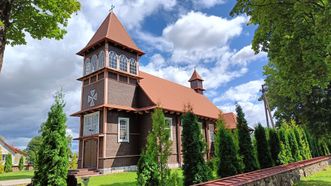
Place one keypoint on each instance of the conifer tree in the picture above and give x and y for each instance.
(285, 155)
(9, 163)
(1, 162)
(53, 159)
(73, 162)
(274, 145)
(293, 143)
(153, 165)
(263, 151)
(229, 161)
(245, 142)
(21, 164)
(195, 169)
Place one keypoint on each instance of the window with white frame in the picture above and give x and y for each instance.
(87, 66)
(133, 66)
(112, 59)
(101, 59)
(169, 123)
(123, 129)
(91, 124)
(94, 62)
(211, 133)
(123, 63)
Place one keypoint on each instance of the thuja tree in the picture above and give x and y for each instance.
(263, 151)
(21, 164)
(294, 146)
(152, 166)
(1, 163)
(53, 159)
(9, 163)
(274, 145)
(285, 154)
(245, 142)
(229, 161)
(302, 143)
(195, 169)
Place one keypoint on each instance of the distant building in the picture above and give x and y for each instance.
(16, 154)
(118, 98)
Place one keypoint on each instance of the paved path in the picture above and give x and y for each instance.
(15, 182)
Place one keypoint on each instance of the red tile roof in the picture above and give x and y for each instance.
(112, 30)
(173, 96)
(13, 149)
(230, 120)
(195, 76)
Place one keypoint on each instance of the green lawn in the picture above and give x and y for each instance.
(119, 179)
(16, 175)
(322, 178)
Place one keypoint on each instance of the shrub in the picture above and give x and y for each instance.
(229, 161)
(263, 151)
(73, 162)
(9, 163)
(245, 142)
(285, 154)
(21, 164)
(274, 145)
(195, 169)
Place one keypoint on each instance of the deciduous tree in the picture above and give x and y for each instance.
(297, 36)
(41, 19)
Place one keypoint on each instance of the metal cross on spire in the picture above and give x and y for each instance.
(111, 8)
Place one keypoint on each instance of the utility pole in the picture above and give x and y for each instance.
(266, 106)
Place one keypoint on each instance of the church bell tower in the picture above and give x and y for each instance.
(196, 82)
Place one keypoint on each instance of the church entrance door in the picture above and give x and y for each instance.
(90, 154)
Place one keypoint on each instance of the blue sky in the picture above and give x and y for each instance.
(177, 36)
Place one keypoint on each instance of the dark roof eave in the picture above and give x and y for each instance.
(81, 52)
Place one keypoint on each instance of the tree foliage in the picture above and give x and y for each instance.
(52, 159)
(245, 142)
(2, 169)
(297, 37)
(153, 163)
(195, 169)
(229, 160)
(74, 161)
(46, 19)
(21, 163)
(274, 144)
(32, 149)
(9, 163)
(263, 150)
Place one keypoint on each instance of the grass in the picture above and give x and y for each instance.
(322, 178)
(16, 175)
(120, 179)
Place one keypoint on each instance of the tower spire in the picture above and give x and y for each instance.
(196, 82)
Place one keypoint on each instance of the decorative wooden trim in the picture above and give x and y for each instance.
(124, 156)
(207, 139)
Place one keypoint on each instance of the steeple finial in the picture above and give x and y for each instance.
(111, 8)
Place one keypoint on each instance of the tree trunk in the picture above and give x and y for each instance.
(5, 8)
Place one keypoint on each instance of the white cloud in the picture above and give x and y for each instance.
(207, 3)
(131, 12)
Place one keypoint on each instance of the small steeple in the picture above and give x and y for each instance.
(196, 82)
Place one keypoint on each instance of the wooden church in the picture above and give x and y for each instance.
(118, 98)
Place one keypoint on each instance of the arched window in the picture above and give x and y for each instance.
(133, 66)
(94, 63)
(87, 66)
(101, 59)
(112, 60)
(123, 63)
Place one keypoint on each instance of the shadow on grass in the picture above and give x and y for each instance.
(14, 177)
(313, 183)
